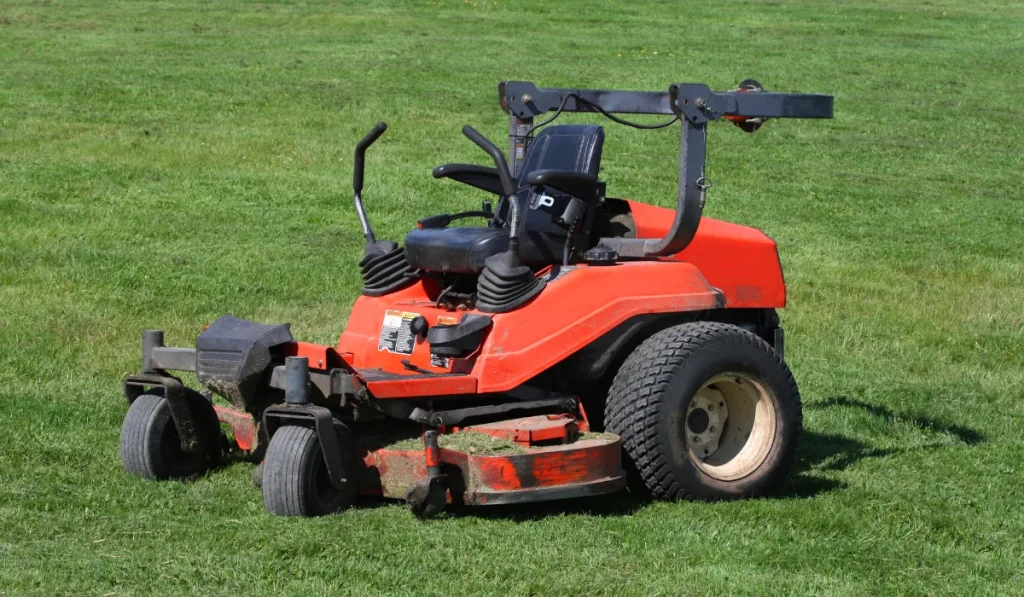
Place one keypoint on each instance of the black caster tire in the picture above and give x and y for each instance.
(428, 497)
(151, 448)
(706, 411)
(257, 475)
(295, 481)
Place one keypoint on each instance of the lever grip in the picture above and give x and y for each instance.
(361, 147)
(507, 185)
(475, 136)
(374, 134)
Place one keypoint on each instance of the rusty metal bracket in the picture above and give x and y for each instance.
(335, 382)
(177, 402)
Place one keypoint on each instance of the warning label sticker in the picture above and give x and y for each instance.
(395, 333)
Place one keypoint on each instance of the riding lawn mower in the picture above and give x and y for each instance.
(569, 344)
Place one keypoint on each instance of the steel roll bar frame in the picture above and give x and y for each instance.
(693, 103)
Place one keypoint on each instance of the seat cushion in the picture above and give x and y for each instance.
(464, 250)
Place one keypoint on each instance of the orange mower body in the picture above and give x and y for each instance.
(571, 344)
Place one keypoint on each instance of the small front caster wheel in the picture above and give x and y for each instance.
(428, 497)
(151, 447)
(295, 478)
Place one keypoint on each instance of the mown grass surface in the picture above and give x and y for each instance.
(162, 163)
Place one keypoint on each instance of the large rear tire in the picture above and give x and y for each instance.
(295, 479)
(706, 411)
(151, 447)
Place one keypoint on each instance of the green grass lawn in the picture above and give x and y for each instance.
(163, 163)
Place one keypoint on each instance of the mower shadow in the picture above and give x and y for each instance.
(614, 505)
(819, 453)
(831, 452)
(964, 434)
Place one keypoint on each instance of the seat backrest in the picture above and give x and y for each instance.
(574, 147)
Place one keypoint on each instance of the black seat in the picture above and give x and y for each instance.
(463, 250)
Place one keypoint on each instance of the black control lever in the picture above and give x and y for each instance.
(357, 178)
(361, 147)
(507, 185)
(505, 282)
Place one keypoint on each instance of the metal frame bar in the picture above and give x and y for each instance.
(524, 100)
(335, 382)
(695, 105)
(456, 416)
(156, 358)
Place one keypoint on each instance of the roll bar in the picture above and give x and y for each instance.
(695, 105)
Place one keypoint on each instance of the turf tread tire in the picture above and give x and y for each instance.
(637, 407)
(148, 419)
(290, 470)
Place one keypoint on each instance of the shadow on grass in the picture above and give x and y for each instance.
(834, 452)
(616, 504)
(963, 434)
(819, 452)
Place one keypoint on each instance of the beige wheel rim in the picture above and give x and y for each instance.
(730, 426)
